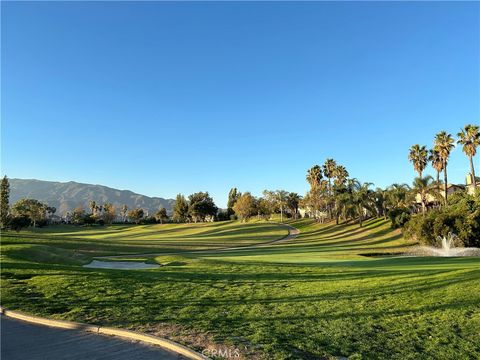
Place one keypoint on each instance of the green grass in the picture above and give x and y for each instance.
(167, 238)
(45, 254)
(320, 243)
(314, 297)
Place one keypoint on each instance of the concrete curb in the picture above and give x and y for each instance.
(126, 334)
(164, 343)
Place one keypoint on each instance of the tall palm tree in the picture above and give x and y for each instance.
(362, 198)
(469, 137)
(380, 200)
(437, 164)
(341, 175)
(444, 144)
(329, 171)
(424, 187)
(354, 198)
(345, 201)
(418, 156)
(314, 176)
(345, 206)
(293, 200)
(281, 197)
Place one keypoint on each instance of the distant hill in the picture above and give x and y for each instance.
(66, 196)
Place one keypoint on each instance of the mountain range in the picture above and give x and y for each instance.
(65, 196)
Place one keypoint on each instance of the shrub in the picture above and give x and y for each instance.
(148, 220)
(42, 223)
(399, 217)
(461, 217)
(420, 228)
(88, 220)
(19, 222)
(223, 215)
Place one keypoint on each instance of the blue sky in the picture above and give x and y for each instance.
(164, 98)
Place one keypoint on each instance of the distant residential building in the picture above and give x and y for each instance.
(469, 182)
(307, 212)
(451, 189)
(54, 219)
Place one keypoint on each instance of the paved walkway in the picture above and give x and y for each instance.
(24, 341)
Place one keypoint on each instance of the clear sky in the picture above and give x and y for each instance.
(164, 98)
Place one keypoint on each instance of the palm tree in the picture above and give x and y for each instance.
(469, 137)
(397, 196)
(418, 156)
(345, 199)
(424, 187)
(380, 200)
(293, 199)
(314, 176)
(341, 175)
(281, 197)
(344, 206)
(437, 164)
(329, 171)
(444, 144)
(362, 198)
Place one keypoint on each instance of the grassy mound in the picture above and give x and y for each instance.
(45, 254)
(143, 239)
(321, 243)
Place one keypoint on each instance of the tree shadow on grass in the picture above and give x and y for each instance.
(65, 304)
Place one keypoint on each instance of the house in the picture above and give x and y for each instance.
(54, 219)
(469, 182)
(308, 212)
(451, 189)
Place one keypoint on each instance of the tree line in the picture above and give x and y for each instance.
(443, 212)
(244, 206)
(333, 195)
(24, 212)
(438, 157)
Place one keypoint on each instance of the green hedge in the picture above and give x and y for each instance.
(461, 217)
